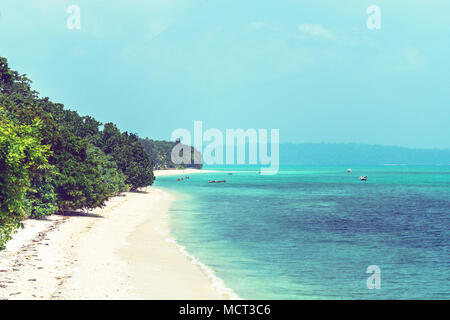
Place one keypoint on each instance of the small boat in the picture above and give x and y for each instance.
(180, 179)
(217, 181)
(363, 178)
(230, 174)
(349, 170)
(187, 177)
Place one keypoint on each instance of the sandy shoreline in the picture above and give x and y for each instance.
(176, 172)
(123, 251)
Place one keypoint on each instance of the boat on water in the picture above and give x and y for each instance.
(363, 178)
(349, 170)
(217, 181)
(180, 179)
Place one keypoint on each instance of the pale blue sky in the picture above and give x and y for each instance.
(309, 68)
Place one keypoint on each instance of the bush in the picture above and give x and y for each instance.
(21, 156)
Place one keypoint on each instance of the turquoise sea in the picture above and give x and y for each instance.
(311, 232)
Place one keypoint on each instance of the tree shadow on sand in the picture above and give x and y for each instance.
(139, 191)
(79, 214)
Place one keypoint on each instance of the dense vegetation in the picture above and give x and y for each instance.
(160, 154)
(54, 160)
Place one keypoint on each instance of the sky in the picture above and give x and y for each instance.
(310, 68)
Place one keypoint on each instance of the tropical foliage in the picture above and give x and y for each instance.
(160, 154)
(54, 160)
(22, 157)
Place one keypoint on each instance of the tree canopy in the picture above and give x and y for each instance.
(54, 160)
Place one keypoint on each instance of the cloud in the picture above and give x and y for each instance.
(314, 30)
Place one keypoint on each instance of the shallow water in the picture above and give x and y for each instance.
(311, 233)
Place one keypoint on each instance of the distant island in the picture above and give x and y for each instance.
(349, 154)
(359, 154)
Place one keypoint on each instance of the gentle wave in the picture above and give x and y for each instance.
(217, 283)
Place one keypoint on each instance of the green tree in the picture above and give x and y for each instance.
(129, 155)
(112, 177)
(79, 183)
(160, 153)
(52, 159)
(77, 180)
(21, 156)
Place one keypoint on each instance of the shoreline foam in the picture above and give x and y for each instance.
(158, 269)
(216, 282)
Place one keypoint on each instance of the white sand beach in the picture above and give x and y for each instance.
(176, 172)
(122, 251)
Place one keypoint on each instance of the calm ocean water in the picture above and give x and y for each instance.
(311, 233)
